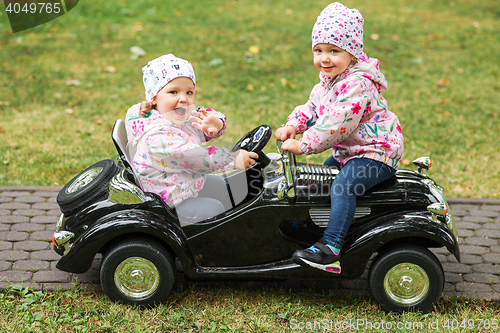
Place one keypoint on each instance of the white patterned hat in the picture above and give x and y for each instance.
(340, 26)
(160, 71)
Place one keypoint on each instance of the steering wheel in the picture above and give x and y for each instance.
(255, 141)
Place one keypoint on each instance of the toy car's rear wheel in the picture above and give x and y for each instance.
(89, 186)
(137, 272)
(406, 278)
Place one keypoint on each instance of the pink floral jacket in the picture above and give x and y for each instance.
(349, 115)
(170, 160)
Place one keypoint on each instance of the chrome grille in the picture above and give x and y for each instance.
(308, 174)
(316, 169)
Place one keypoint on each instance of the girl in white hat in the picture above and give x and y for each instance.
(168, 134)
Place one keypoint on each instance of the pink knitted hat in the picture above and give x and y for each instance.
(340, 26)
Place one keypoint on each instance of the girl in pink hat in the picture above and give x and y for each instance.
(347, 114)
(170, 160)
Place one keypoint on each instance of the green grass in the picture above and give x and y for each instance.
(65, 82)
(234, 307)
(59, 98)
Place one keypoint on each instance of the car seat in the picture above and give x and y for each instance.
(126, 152)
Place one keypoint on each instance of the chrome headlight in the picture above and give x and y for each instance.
(441, 207)
(423, 163)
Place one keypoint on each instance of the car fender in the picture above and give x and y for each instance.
(417, 227)
(134, 223)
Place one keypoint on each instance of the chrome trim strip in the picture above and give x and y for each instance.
(286, 188)
(321, 216)
(61, 223)
(450, 223)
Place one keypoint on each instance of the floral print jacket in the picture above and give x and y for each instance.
(170, 160)
(349, 115)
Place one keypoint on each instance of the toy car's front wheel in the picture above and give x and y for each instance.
(137, 272)
(406, 278)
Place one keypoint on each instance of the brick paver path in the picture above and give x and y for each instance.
(28, 216)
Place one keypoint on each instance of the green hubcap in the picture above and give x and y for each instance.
(84, 179)
(406, 283)
(137, 277)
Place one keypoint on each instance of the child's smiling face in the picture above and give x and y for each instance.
(331, 60)
(175, 100)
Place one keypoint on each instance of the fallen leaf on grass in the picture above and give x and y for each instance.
(215, 62)
(250, 87)
(137, 52)
(138, 26)
(418, 60)
(458, 189)
(254, 49)
(285, 82)
(73, 82)
(442, 82)
(110, 69)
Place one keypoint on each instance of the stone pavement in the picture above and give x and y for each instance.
(28, 216)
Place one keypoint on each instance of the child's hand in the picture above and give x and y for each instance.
(245, 159)
(293, 146)
(207, 122)
(287, 132)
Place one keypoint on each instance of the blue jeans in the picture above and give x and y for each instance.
(356, 177)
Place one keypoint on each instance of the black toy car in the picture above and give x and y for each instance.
(284, 206)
